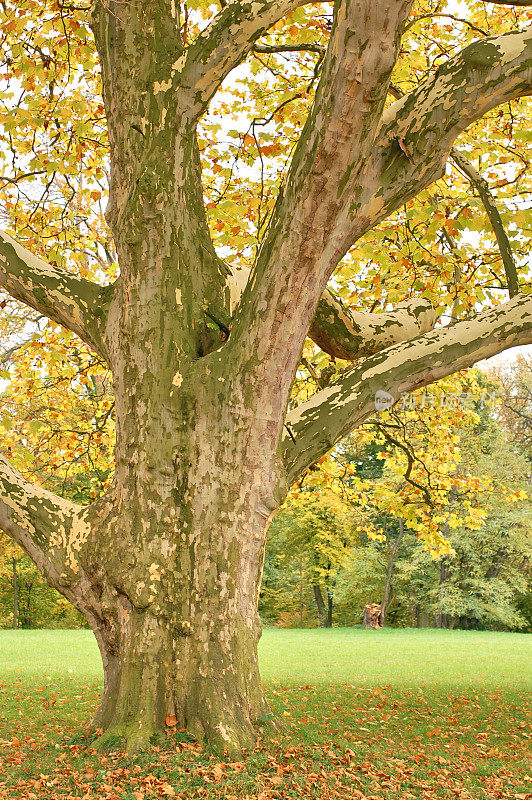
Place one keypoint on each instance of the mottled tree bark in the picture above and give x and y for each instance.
(166, 566)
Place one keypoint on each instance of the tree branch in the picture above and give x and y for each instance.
(49, 529)
(225, 43)
(417, 132)
(342, 332)
(345, 333)
(488, 201)
(8, 354)
(289, 48)
(77, 304)
(298, 253)
(316, 426)
(522, 3)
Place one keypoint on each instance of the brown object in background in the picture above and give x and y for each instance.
(372, 615)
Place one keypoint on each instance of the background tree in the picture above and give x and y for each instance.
(514, 383)
(165, 564)
(447, 466)
(482, 579)
(26, 601)
(480, 582)
(311, 538)
(10, 556)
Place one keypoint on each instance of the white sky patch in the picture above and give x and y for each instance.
(507, 357)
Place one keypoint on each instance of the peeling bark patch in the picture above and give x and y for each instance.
(75, 303)
(42, 522)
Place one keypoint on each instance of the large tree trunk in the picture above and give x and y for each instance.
(182, 531)
(200, 672)
(181, 537)
(176, 611)
(171, 565)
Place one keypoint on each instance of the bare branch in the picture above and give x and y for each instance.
(75, 303)
(490, 205)
(8, 354)
(316, 426)
(481, 185)
(466, 22)
(521, 3)
(288, 48)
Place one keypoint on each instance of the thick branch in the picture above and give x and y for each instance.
(49, 529)
(345, 333)
(75, 303)
(338, 135)
(488, 201)
(417, 132)
(315, 426)
(226, 42)
(298, 253)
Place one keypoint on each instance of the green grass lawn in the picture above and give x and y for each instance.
(387, 714)
(402, 658)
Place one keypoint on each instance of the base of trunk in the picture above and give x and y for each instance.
(229, 732)
(164, 677)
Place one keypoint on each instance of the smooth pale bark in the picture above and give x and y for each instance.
(344, 333)
(299, 250)
(50, 529)
(166, 566)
